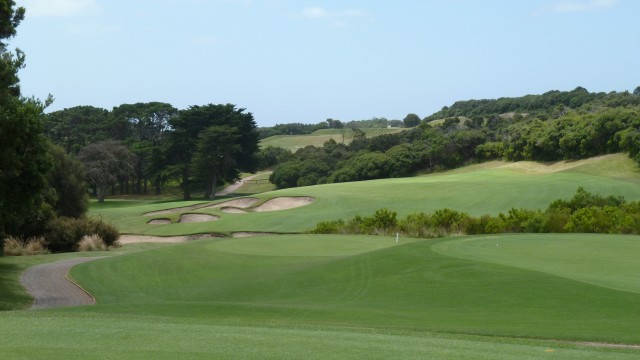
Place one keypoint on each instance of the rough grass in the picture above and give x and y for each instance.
(32, 246)
(319, 137)
(92, 243)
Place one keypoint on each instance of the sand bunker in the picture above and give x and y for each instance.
(132, 239)
(192, 218)
(284, 203)
(242, 234)
(232, 210)
(236, 203)
(159, 221)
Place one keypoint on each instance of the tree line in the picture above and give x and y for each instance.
(601, 124)
(48, 161)
(135, 147)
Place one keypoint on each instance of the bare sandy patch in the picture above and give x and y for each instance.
(193, 218)
(237, 203)
(132, 239)
(159, 221)
(284, 203)
(232, 210)
(242, 234)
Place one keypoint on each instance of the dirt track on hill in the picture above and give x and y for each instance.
(50, 287)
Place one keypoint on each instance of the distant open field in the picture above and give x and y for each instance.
(319, 137)
(481, 189)
(329, 297)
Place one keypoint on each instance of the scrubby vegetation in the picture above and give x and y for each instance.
(584, 213)
(65, 234)
(550, 127)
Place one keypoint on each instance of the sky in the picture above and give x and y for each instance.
(289, 61)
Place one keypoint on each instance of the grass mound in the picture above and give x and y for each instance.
(370, 282)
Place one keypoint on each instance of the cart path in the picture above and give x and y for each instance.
(237, 185)
(50, 287)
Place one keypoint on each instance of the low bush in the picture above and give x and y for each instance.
(64, 234)
(91, 243)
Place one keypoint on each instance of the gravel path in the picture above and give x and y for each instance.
(235, 186)
(50, 287)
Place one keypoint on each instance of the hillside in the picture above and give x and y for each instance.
(480, 189)
(319, 137)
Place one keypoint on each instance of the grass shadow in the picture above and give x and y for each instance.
(12, 295)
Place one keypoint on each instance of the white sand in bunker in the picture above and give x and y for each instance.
(159, 221)
(236, 203)
(193, 218)
(232, 210)
(242, 234)
(132, 239)
(284, 203)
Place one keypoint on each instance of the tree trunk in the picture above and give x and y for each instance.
(157, 185)
(145, 186)
(213, 186)
(186, 195)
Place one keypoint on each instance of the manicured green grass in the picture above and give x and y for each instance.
(398, 287)
(478, 192)
(38, 335)
(326, 296)
(318, 138)
(607, 260)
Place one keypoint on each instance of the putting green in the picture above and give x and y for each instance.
(304, 245)
(605, 260)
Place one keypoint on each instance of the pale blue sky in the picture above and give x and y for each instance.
(306, 61)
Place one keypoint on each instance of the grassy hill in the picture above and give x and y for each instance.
(319, 137)
(480, 189)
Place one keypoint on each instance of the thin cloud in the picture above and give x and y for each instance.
(335, 19)
(59, 8)
(583, 6)
(315, 12)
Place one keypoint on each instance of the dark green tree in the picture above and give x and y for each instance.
(105, 162)
(148, 125)
(79, 126)
(214, 159)
(24, 161)
(411, 120)
(187, 126)
(68, 181)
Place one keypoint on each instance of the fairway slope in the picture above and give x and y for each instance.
(360, 282)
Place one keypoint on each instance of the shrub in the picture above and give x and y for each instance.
(91, 243)
(13, 247)
(329, 227)
(64, 234)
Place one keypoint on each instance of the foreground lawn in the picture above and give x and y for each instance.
(319, 296)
